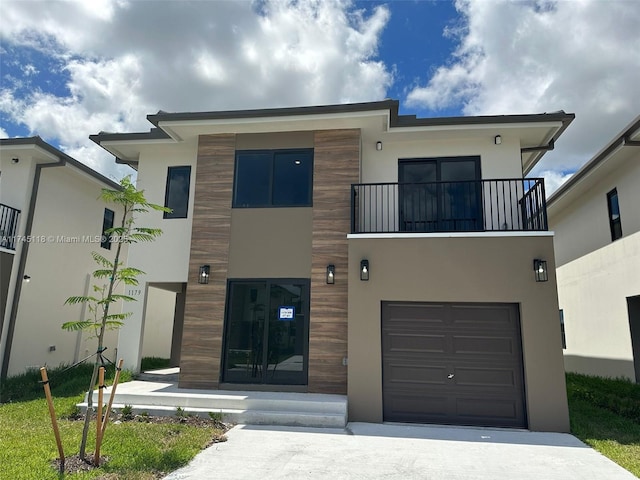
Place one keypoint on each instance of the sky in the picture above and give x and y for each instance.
(70, 69)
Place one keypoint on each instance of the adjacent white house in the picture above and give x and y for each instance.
(405, 262)
(51, 219)
(596, 219)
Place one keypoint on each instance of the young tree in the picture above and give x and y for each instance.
(132, 202)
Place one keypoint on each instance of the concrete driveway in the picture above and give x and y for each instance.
(369, 451)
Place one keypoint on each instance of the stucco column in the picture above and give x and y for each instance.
(132, 333)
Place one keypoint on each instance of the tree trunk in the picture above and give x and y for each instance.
(96, 365)
(87, 415)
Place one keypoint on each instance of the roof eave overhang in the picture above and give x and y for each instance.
(628, 138)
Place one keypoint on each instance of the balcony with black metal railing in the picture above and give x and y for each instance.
(9, 221)
(466, 206)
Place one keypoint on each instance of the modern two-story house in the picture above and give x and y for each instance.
(51, 219)
(405, 262)
(596, 219)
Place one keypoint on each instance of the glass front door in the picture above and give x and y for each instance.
(266, 332)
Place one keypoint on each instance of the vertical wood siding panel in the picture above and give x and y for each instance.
(204, 306)
(336, 167)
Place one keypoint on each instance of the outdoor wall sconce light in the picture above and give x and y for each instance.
(26, 278)
(540, 269)
(378, 145)
(497, 139)
(364, 270)
(15, 160)
(203, 274)
(331, 274)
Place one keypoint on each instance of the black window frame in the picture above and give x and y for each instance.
(562, 330)
(107, 223)
(442, 222)
(167, 192)
(270, 178)
(615, 224)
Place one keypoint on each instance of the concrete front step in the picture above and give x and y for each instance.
(253, 408)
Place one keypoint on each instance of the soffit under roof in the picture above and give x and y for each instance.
(377, 120)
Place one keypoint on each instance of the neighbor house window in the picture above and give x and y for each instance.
(107, 223)
(273, 178)
(614, 214)
(564, 338)
(176, 196)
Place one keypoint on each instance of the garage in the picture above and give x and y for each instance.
(452, 363)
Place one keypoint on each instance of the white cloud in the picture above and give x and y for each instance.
(553, 179)
(580, 56)
(127, 59)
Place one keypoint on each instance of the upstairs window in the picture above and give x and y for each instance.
(107, 223)
(564, 337)
(176, 195)
(614, 215)
(273, 178)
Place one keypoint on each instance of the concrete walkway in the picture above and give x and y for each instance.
(371, 451)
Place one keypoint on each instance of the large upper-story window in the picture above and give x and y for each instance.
(614, 214)
(273, 178)
(176, 195)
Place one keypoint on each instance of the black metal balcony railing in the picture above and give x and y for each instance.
(471, 206)
(9, 219)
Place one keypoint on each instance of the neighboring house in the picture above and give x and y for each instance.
(596, 219)
(348, 249)
(51, 219)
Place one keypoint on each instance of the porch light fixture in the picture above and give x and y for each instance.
(203, 274)
(378, 145)
(364, 270)
(15, 160)
(540, 269)
(497, 139)
(26, 278)
(331, 274)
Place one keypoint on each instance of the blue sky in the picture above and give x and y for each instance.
(72, 68)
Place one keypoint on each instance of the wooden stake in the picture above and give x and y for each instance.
(96, 457)
(52, 413)
(111, 398)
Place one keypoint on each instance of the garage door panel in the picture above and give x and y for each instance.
(492, 409)
(411, 343)
(485, 345)
(485, 377)
(417, 374)
(404, 407)
(452, 363)
(481, 312)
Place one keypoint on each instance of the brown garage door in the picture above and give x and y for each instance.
(452, 363)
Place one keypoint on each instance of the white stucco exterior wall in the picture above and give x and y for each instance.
(496, 161)
(583, 225)
(167, 258)
(592, 292)
(66, 229)
(596, 275)
(161, 306)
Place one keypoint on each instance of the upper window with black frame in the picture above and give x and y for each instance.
(273, 178)
(176, 196)
(107, 223)
(614, 215)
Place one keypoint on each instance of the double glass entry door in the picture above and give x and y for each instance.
(440, 194)
(267, 332)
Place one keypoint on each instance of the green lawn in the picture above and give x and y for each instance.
(136, 449)
(605, 414)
